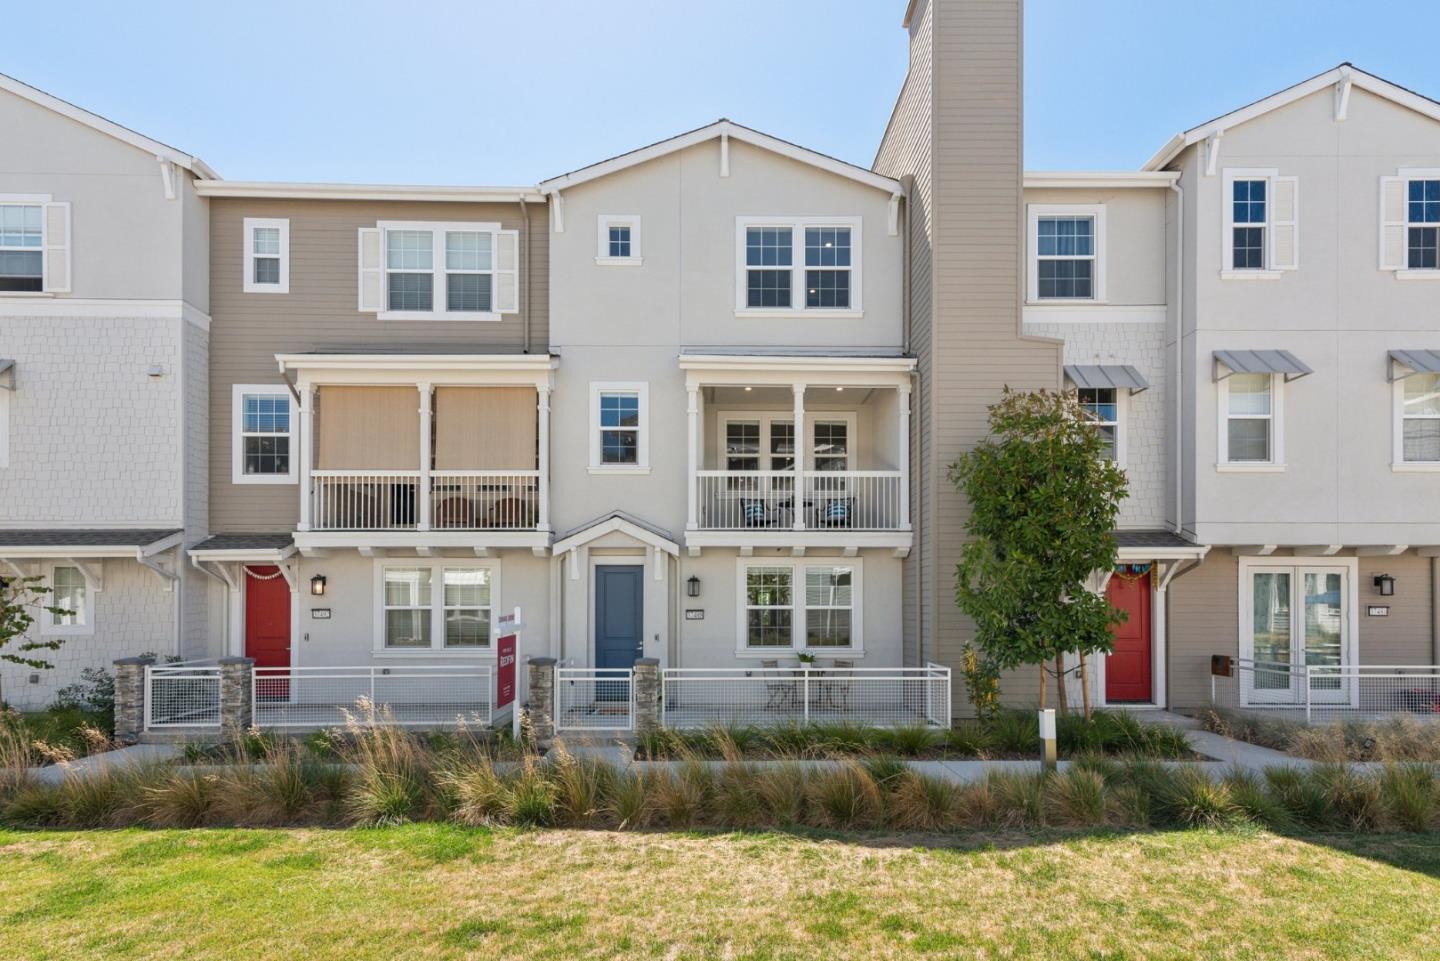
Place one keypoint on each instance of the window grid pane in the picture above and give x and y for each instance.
(407, 607)
(467, 607)
(769, 616)
(1248, 248)
(829, 603)
(1420, 409)
(619, 241)
(68, 592)
(265, 429)
(411, 292)
(620, 428)
(468, 292)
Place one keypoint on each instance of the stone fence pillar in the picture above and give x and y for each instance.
(540, 702)
(130, 698)
(237, 693)
(647, 695)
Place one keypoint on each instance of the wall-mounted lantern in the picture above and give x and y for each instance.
(317, 585)
(1385, 585)
(692, 586)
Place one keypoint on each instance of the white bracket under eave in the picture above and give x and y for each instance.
(1381, 550)
(291, 573)
(161, 570)
(724, 154)
(572, 563)
(1253, 550)
(557, 212)
(1342, 94)
(95, 571)
(657, 557)
(1212, 152)
(369, 550)
(167, 177)
(894, 215)
(694, 549)
(13, 568)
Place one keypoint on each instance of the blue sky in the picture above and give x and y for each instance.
(513, 91)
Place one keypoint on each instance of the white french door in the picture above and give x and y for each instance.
(1293, 617)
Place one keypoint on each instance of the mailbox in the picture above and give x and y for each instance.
(1222, 665)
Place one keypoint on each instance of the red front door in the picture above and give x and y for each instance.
(267, 617)
(1128, 669)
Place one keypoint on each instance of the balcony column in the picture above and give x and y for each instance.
(800, 445)
(307, 447)
(542, 405)
(692, 455)
(902, 456)
(427, 416)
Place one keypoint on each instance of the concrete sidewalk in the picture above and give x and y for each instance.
(136, 755)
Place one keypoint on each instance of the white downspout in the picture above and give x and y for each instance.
(1179, 355)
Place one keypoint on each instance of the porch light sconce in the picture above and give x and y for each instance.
(692, 586)
(317, 585)
(1385, 585)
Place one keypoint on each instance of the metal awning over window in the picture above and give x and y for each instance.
(7, 374)
(1403, 363)
(1229, 362)
(1122, 376)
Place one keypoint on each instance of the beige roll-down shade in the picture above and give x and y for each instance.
(368, 428)
(485, 428)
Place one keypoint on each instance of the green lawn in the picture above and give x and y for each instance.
(437, 891)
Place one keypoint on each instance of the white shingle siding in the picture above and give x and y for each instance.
(92, 436)
(134, 614)
(1141, 345)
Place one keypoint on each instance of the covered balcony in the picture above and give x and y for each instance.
(436, 446)
(840, 480)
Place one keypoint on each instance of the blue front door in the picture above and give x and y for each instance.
(619, 614)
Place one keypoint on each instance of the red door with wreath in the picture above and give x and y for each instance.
(1128, 671)
(267, 616)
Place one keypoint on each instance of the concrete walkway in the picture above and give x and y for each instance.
(134, 756)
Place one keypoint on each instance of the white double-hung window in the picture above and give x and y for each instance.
(1410, 223)
(443, 606)
(264, 435)
(439, 271)
(73, 602)
(619, 428)
(34, 244)
(1067, 253)
(1417, 422)
(794, 607)
(1260, 236)
(1103, 406)
(1249, 419)
(267, 256)
(807, 266)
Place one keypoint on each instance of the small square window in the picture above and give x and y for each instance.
(619, 241)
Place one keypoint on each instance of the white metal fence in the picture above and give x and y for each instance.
(766, 697)
(594, 699)
(182, 694)
(1321, 693)
(847, 500)
(410, 695)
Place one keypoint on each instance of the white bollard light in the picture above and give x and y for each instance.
(1048, 753)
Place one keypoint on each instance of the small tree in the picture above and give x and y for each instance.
(20, 598)
(1043, 499)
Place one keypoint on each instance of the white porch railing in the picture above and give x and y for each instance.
(594, 699)
(411, 695)
(182, 695)
(767, 697)
(1321, 693)
(391, 500)
(830, 500)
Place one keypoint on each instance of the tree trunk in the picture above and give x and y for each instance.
(1044, 682)
(1062, 696)
(1085, 684)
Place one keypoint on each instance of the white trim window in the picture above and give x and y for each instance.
(436, 607)
(267, 256)
(22, 248)
(1422, 224)
(1260, 235)
(619, 428)
(786, 266)
(1103, 406)
(266, 436)
(1417, 421)
(438, 271)
(1067, 263)
(617, 240)
(800, 607)
(70, 591)
(1250, 435)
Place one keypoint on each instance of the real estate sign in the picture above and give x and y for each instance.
(505, 663)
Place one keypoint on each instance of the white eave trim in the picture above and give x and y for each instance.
(795, 362)
(109, 127)
(620, 524)
(417, 362)
(1339, 74)
(721, 128)
(1133, 554)
(264, 555)
(312, 191)
(1099, 179)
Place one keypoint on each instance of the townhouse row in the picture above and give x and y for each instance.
(697, 402)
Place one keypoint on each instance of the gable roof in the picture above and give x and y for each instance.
(109, 127)
(716, 130)
(1345, 73)
(616, 520)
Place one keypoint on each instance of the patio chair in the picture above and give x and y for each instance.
(836, 512)
(837, 687)
(455, 513)
(758, 512)
(779, 689)
(511, 513)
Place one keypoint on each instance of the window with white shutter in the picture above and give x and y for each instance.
(1410, 223)
(439, 271)
(34, 244)
(1260, 237)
